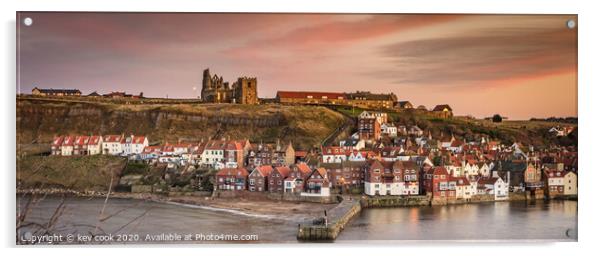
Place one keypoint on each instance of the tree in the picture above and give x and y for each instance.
(497, 118)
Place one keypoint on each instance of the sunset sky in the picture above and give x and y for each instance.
(520, 66)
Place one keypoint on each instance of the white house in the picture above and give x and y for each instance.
(471, 169)
(456, 146)
(494, 186)
(570, 183)
(95, 145)
(379, 116)
(455, 169)
(134, 144)
(111, 145)
(213, 154)
(485, 169)
(501, 189)
(333, 155)
(357, 156)
(388, 129)
(67, 146)
(463, 188)
(352, 144)
(180, 149)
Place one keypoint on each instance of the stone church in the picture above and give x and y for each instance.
(215, 90)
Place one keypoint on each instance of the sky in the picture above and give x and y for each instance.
(519, 66)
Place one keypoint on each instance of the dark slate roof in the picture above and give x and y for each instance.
(441, 107)
(351, 142)
(404, 102)
(514, 166)
(371, 96)
(64, 91)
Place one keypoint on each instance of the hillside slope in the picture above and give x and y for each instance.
(526, 132)
(39, 120)
(76, 173)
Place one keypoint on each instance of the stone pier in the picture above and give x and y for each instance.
(330, 227)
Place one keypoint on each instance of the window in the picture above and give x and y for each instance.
(252, 182)
(443, 186)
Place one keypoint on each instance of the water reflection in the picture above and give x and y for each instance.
(489, 221)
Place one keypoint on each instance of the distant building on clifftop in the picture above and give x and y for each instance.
(361, 99)
(55, 92)
(215, 90)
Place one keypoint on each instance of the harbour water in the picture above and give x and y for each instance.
(523, 221)
(517, 220)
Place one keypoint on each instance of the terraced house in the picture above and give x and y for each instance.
(258, 179)
(232, 179)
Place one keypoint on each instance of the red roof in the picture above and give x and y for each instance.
(233, 145)
(322, 172)
(241, 172)
(81, 140)
(68, 141)
(439, 170)
(265, 170)
(168, 148)
(283, 170)
(151, 149)
(112, 138)
(303, 168)
(460, 181)
(138, 139)
(304, 95)
(182, 145)
(333, 150)
(58, 141)
(300, 153)
(484, 181)
(94, 140)
(216, 144)
(457, 143)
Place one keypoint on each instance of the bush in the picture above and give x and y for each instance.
(497, 118)
(133, 168)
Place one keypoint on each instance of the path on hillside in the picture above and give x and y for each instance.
(348, 124)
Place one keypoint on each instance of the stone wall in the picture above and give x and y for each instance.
(275, 196)
(394, 201)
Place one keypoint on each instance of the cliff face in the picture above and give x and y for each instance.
(38, 121)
